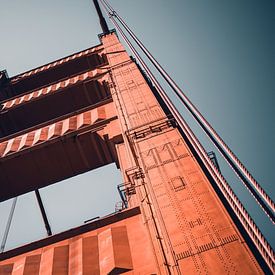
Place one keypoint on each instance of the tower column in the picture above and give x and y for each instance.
(190, 229)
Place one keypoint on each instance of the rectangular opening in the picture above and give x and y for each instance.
(68, 204)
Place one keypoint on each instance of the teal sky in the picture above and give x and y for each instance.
(220, 52)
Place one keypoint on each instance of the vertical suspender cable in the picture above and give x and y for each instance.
(7, 230)
(43, 212)
(245, 219)
(230, 157)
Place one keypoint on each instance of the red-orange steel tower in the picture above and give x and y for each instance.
(93, 108)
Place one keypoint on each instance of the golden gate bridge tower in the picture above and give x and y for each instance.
(178, 215)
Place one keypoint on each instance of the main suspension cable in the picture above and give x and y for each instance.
(245, 219)
(261, 197)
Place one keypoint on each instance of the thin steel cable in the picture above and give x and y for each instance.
(43, 212)
(230, 157)
(248, 223)
(8, 225)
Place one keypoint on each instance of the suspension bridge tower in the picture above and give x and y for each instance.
(96, 107)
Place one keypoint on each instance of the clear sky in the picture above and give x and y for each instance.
(220, 52)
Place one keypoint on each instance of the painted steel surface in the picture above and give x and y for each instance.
(51, 88)
(183, 227)
(56, 63)
(54, 130)
(51, 73)
(190, 228)
(117, 245)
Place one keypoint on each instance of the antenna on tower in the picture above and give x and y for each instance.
(102, 20)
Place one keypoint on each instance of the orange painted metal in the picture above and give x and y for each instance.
(59, 86)
(117, 244)
(57, 151)
(57, 63)
(55, 71)
(183, 226)
(190, 228)
(55, 130)
(68, 97)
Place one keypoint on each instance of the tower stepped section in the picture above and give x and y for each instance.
(86, 111)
